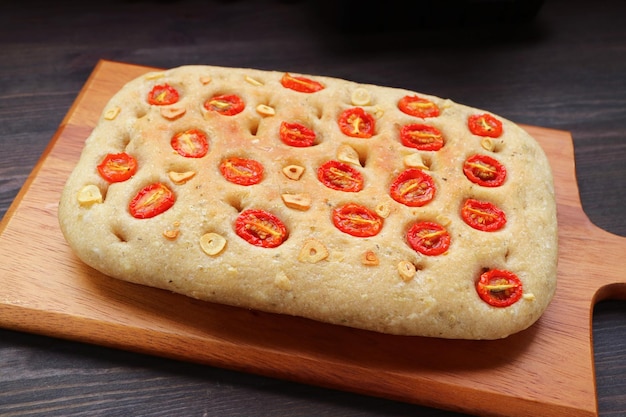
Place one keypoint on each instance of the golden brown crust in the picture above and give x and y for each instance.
(377, 283)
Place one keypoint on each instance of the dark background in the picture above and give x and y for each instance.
(557, 64)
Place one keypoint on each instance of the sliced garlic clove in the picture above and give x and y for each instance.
(112, 113)
(406, 270)
(212, 243)
(180, 178)
(369, 258)
(313, 251)
(293, 172)
(253, 81)
(297, 201)
(89, 195)
(361, 97)
(265, 110)
(172, 113)
(347, 154)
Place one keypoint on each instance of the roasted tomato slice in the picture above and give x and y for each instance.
(192, 143)
(295, 134)
(300, 84)
(151, 201)
(260, 228)
(413, 188)
(421, 137)
(242, 171)
(357, 123)
(340, 176)
(162, 95)
(226, 104)
(484, 170)
(483, 215)
(428, 238)
(418, 107)
(357, 220)
(117, 167)
(499, 288)
(485, 125)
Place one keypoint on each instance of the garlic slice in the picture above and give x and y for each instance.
(313, 251)
(265, 110)
(179, 178)
(361, 97)
(172, 113)
(297, 201)
(369, 258)
(89, 195)
(112, 113)
(212, 243)
(253, 81)
(347, 154)
(406, 270)
(293, 172)
(414, 160)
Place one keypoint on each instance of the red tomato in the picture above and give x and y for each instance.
(260, 228)
(482, 215)
(226, 104)
(485, 125)
(162, 95)
(413, 188)
(151, 201)
(300, 84)
(421, 137)
(357, 220)
(428, 238)
(484, 170)
(418, 107)
(340, 176)
(295, 134)
(117, 167)
(357, 123)
(192, 143)
(242, 171)
(499, 288)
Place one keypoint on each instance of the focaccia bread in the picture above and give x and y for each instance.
(359, 205)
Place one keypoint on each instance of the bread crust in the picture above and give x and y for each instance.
(343, 287)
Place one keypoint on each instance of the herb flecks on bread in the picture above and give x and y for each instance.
(359, 205)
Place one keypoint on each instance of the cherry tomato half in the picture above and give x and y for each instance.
(117, 167)
(418, 107)
(300, 84)
(151, 201)
(483, 215)
(226, 104)
(192, 143)
(357, 123)
(295, 134)
(340, 176)
(421, 137)
(242, 171)
(260, 228)
(162, 95)
(357, 220)
(485, 125)
(484, 170)
(413, 188)
(428, 238)
(499, 288)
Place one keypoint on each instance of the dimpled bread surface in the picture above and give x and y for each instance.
(320, 272)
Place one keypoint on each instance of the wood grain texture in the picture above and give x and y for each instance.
(522, 375)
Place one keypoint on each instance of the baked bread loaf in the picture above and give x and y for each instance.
(358, 205)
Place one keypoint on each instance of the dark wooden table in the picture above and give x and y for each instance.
(561, 65)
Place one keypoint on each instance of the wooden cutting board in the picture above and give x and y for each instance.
(546, 370)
